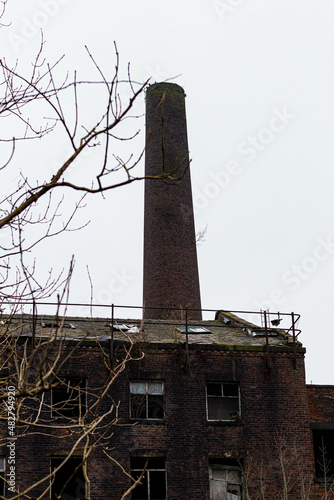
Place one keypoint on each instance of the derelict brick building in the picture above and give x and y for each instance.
(221, 415)
(212, 409)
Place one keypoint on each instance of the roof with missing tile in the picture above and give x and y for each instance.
(225, 331)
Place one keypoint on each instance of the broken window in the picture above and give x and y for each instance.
(68, 482)
(121, 328)
(2, 475)
(225, 481)
(146, 399)
(154, 482)
(223, 401)
(323, 444)
(194, 330)
(69, 398)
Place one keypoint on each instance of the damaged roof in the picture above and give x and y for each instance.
(226, 330)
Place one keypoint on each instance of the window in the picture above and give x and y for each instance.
(194, 330)
(69, 398)
(225, 481)
(121, 328)
(323, 444)
(146, 399)
(223, 401)
(153, 484)
(68, 481)
(2, 475)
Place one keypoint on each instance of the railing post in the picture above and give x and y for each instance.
(294, 341)
(267, 340)
(111, 353)
(186, 368)
(34, 322)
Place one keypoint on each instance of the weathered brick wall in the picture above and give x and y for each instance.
(34, 450)
(274, 413)
(321, 402)
(273, 409)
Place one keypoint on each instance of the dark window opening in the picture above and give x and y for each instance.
(68, 482)
(69, 398)
(2, 475)
(225, 480)
(146, 400)
(223, 401)
(323, 444)
(153, 484)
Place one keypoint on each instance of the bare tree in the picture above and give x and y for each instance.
(46, 102)
(38, 400)
(283, 476)
(36, 105)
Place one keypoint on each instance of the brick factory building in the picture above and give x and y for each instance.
(196, 408)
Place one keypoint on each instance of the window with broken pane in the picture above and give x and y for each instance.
(146, 400)
(154, 482)
(69, 398)
(223, 401)
(68, 481)
(323, 445)
(225, 482)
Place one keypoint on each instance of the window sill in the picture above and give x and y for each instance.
(145, 421)
(225, 423)
(321, 480)
(62, 419)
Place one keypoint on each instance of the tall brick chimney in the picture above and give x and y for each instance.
(170, 258)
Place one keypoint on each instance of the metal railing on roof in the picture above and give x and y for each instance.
(280, 322)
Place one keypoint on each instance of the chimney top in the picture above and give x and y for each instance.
(164, 86)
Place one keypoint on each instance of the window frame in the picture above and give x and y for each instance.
(81, 404)
(147, 394)
(222, 396)
(224, 466)
(148, 472)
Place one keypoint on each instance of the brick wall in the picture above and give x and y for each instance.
(273, 410)
(321, 402)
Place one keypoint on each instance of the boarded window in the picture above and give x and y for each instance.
(225, 482)
(223, 401)
(154, 482)
(68, 481)
(69, 398)
(146, 400)
(323, 444)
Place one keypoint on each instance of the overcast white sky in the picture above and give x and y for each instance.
(259, 80)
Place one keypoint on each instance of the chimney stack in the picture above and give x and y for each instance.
(170, 258)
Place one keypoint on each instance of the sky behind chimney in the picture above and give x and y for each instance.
(259, 81)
